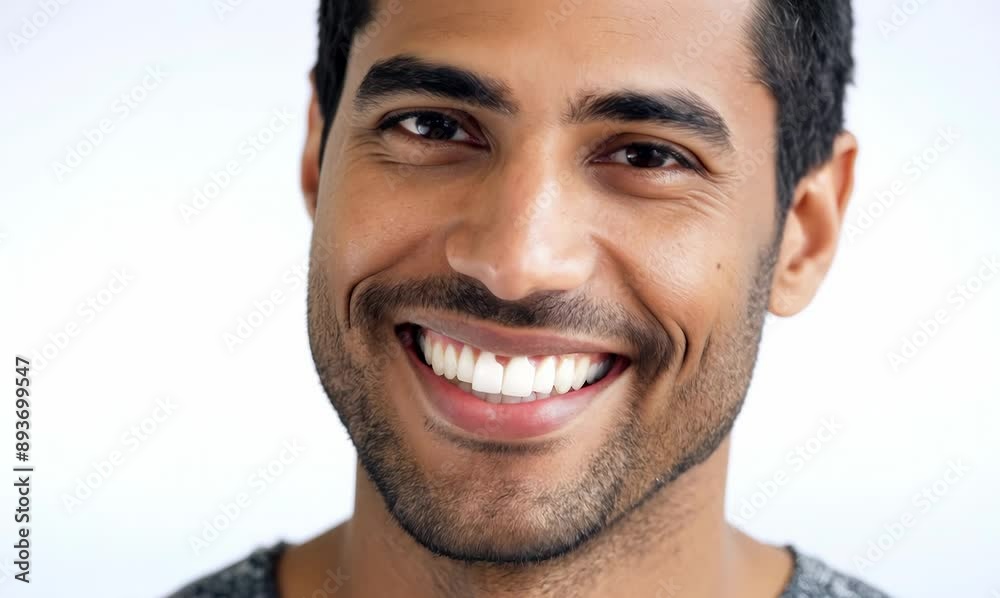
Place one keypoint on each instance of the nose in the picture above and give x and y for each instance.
(526, 229)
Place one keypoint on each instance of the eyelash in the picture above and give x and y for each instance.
(393, 120)
(667, 150)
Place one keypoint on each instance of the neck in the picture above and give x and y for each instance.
(676, 543)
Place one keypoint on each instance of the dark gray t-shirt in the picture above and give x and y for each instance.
(254, 577)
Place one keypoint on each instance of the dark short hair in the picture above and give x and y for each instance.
(803, 56)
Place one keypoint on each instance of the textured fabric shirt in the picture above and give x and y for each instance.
(254, 577)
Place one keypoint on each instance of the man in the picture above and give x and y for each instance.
(546, 236)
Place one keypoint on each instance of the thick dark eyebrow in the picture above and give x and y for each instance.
(681, 109)
(408, 74)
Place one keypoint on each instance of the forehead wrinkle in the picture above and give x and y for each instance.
(653, 24)
(609, 28)
(453, 23)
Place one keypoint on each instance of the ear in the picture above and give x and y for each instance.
(812, 229)
(310, 153)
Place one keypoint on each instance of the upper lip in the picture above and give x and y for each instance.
(507, 341)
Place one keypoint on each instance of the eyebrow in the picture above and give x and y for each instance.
(680, 109)
(408, 74)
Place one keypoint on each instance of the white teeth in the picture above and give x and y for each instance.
(488, 375)
(518, 376)
(437, 359)
(466, 364)
(598, 370)
(564, 375)
(580, 374)
(519, 381)
(545, 375)
(450, 363)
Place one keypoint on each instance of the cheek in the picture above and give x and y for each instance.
(681, 280)
(374, 218)
(689, 270)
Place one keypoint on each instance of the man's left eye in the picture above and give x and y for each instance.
(434, 126)
(646, 155)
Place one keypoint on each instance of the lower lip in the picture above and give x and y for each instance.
(501, 421)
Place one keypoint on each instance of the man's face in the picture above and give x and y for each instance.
(539, 184)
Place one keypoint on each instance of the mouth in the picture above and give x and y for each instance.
(511, 388)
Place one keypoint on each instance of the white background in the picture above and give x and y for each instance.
(163, 336)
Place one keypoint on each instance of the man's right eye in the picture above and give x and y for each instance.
(430, 126)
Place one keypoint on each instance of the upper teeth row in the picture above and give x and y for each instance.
(519, 378)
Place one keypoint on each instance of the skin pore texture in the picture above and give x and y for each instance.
(534, 206)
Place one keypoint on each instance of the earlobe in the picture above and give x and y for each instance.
(812, 229)
(310, 153)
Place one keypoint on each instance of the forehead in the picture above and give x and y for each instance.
(545, 50)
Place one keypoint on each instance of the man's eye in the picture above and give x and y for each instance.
(433, 126)
(646, 155)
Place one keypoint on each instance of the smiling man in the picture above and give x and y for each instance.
(546, 237)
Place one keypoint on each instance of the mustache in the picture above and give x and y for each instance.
(466, 296)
